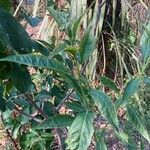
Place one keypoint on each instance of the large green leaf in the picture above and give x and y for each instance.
(87, 46)
(21, 78)
(45, 62)
(105, 105)
(56, 121)
(130, 89)
(145, 43)
(18, 38)
(136, 120)
(81, 132)
(37, 61)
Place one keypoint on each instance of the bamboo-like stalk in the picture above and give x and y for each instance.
(16, 11)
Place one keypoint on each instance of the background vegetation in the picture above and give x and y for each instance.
(75, 74)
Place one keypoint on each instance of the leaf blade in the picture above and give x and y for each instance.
(137, 121)
(105, 106)
(80, 132)
(56, 121)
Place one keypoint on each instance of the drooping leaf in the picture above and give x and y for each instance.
(81, 132)
(21, 78)
(135, 119)
(129, 91)
(109, 83)
(45, 62)
(18, 38)
(145, 43)
(105, 105)
(56, 121)
(87, 46)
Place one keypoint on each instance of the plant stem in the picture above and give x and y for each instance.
(29, 116)
(29, 99)
(63, 101)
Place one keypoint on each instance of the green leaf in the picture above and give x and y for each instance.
(75, 106)
(59, 17)
(56, 121)
(5, 4)
(4, 40)
(126, 140)
(48, 108)
(87, 46)
(45, 62)
(21, 78)
(18, 38)
(75, 27)
(81, 132)
(2, 104)
(130, 89)
(145, 43)
(105, 105)
(100, 145)
(37, 61)
(100, 141)
(21, 102)
(109, 83)
(2, 100)
(135, 119)
(41, 47)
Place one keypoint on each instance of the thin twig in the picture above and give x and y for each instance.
(29, 116)
(63, 101)
(18, 8)
(29, 99)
